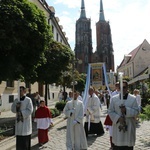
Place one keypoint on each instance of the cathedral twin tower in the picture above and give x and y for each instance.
(83, 42)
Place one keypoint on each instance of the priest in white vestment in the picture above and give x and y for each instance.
(23, 123)
(93, 123)
(123, 113)
(75, 137)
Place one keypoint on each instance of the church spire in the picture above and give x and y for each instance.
(101, 15)
(83, 14)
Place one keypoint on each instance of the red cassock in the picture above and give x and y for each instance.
(108, 121)
(43, 116)
(43, 112)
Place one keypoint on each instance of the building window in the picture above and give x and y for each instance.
(78, 38)
(106, 60)
(106, 50)
(52, 29)
(86, 49)
(130, 70)
(57, 38)
(11, 98)
(127, 72)
(85, 38)
(9, 83)
(86, 59)
(85, 26)
(105, 39)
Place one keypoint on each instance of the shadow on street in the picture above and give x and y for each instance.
(62, 128)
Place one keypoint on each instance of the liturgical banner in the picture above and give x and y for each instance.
(100, 69)
(97, 75)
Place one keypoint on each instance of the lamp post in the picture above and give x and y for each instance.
(121, 85)
(73, 69)
(64, 74)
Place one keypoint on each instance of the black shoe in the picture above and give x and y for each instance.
(98, 134)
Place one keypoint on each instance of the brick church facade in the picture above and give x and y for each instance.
(83, 43)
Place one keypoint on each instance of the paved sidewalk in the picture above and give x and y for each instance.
(10, 142)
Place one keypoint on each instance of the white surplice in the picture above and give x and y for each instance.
(75, 137)
(120, 138)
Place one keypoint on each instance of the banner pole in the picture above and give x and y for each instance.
(121, 85)
(18, 90)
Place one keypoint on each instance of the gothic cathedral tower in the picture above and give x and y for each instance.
(104, 49)
(83, 40)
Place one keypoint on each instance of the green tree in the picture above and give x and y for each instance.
(67, 80)
(81, 80)
(145, 115)
(25, 35)
(58, 58)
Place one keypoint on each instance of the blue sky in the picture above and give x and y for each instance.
(129, 21)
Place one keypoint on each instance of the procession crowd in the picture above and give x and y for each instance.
(82, 120)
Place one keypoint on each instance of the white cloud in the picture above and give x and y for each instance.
(69, 28)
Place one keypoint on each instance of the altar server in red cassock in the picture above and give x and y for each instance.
(43, 118)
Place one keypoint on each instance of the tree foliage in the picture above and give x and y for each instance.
(67, 79)
(145, 115)
(25, 35)
(58, 58)
(81, 80)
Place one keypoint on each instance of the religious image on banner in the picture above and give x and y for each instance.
(96, 74)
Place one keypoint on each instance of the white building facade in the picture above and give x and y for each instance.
(136, 62)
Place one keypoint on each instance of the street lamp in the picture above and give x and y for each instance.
(64, 74)
(75, 61)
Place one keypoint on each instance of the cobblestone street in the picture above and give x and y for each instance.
(58, 138)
